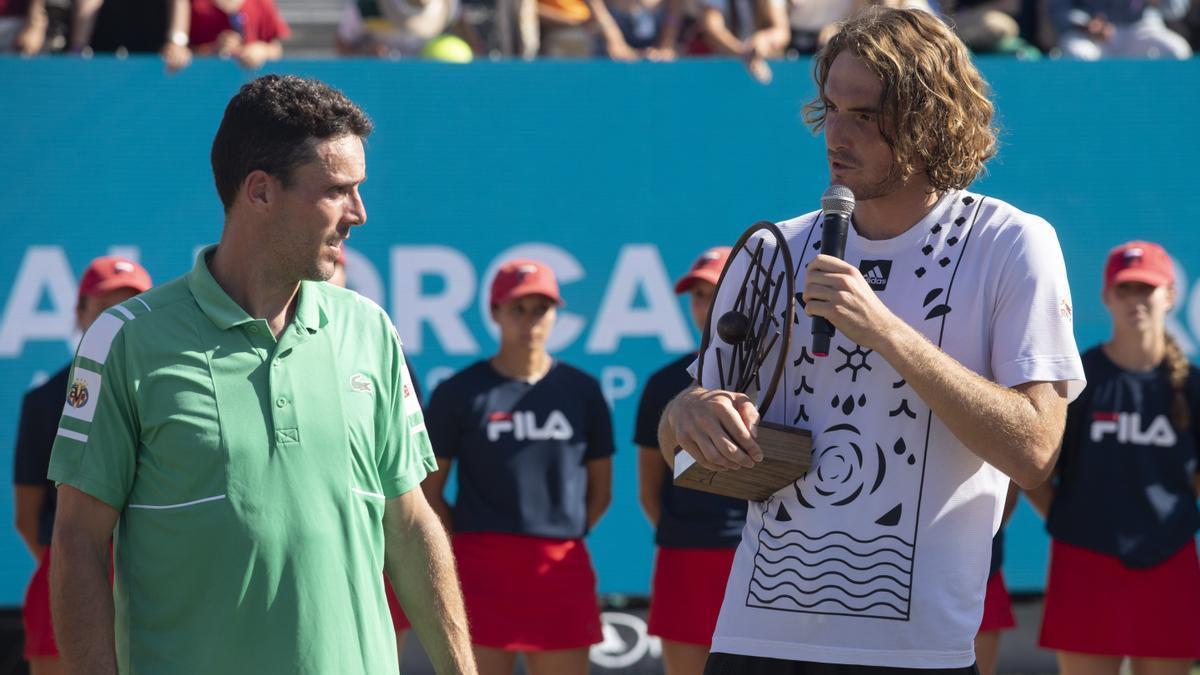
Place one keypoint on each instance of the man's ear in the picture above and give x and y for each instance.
(260, 190)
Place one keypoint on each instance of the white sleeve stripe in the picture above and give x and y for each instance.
(143, 303)
(418, 429)
(124, 312)
(99, 338)
(359, 491)
(159, 507)
(73, 435)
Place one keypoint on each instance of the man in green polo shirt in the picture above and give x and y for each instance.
(252, 436)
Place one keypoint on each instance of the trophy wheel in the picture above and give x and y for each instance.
(757, 329)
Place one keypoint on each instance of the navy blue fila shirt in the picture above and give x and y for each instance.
(1126, 473)
(690, 518)
(521, 448)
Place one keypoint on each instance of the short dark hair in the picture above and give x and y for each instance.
(272, 124)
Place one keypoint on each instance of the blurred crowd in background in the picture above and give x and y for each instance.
(256, 31)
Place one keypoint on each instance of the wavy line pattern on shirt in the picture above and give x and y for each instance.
(804, 592)
(860, 610)
(789, 570)
(800, 572)
(831, 533)
(811, 564)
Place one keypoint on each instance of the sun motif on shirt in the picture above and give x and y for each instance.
(856, 360)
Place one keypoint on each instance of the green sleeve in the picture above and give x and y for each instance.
(96, 445)
(405, 455)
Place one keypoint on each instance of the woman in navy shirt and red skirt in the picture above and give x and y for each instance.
(532, 438)
(1124, 576)
(696, 532)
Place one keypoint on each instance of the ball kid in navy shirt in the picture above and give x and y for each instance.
(1124, 573)
(532, 438)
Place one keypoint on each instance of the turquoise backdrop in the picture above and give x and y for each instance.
(618, 174)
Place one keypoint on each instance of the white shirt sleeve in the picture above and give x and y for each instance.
(1032, 326)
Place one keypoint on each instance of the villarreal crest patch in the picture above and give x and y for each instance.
(78, 396)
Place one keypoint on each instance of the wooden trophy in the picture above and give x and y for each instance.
(756, 333)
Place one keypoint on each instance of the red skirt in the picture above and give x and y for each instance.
(528, 594)
(39, 629)
(1096, 605)
(997, 606)
(399, 620)
(687, 591)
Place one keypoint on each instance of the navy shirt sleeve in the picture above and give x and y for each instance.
(442, 420)
(600, 433)
(40, 410)
(662, 386)
(645, 427)
(31, 460)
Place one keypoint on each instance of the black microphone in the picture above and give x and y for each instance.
(836, 204)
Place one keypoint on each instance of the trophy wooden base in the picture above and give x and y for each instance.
(787, 454)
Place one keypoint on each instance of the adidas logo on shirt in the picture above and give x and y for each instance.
(1128, 428)
(876, 273)
(522, 424)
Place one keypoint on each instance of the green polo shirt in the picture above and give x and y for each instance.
(250, 474)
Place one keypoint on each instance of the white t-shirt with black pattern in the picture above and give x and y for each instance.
(879, 555)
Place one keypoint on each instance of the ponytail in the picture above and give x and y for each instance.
(1177, 370)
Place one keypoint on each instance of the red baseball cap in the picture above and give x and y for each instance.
(518, 278)
(1141, 261)
(706, 268)
(108, 273)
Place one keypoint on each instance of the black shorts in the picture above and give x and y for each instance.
(736, 664)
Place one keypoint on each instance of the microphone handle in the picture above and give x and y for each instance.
(833, 242)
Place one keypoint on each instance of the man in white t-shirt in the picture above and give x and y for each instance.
(950, 372)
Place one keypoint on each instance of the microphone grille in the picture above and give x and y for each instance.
(838, 199)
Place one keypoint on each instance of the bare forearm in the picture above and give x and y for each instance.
(651, 505)
(651, 472)
(444, 513)
(180, 17)
(718, 35)
(596, 506)
(36, 14)
(29, 536)
(420, 566)
(82, 603)
(1003, 427)
(83, 20)
(671, 22)
(599, 489)
(604, 20)
(778, 32)
(1041, 497)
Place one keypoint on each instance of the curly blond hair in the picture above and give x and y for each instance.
(937, 114)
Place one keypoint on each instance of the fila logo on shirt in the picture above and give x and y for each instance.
(876, 273)
(1128, 428)
(522, 424)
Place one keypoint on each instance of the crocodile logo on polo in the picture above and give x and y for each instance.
(78, 396)
(360, 382)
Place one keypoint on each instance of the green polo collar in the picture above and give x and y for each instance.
(225, 313)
